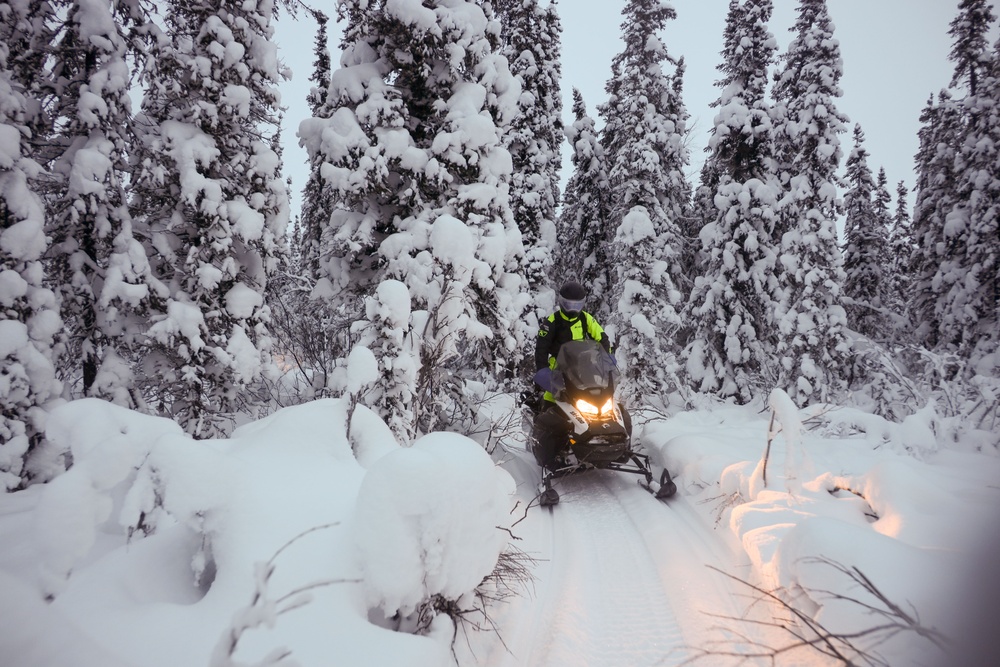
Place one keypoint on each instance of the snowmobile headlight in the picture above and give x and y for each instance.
(590, 410)
(587, 409)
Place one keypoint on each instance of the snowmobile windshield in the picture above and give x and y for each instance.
(586, 365)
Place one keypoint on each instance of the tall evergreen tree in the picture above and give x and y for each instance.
(955, 218)
(865, 248)
(731, 306)
(970, 309)
(532, 37)
(900, 245)
(937, 178)
(970, 45)
(644, 140)
(101, 267)
(882, 208)
(213, 203)
(416, 160)
(810, 317)
(29, 313)
(317, 200)
(584, 230)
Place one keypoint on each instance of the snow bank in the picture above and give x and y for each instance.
(885, 524)
(107, 444)
(38, 635)
(152, 535)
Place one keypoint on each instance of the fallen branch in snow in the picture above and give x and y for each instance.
(871, 513)
(814, 419)
(264, 610)
(647, 413)
(534, 502)
(807, 633)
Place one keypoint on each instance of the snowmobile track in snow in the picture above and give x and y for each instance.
(622, 579)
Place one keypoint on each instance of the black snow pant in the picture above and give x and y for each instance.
(549, 436)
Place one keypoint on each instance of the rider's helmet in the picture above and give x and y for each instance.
(572, 298)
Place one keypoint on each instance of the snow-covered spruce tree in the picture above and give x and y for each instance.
(732, 305)
(29, 31)
(584, 230)
(810, 317)
(969, 310)
(941, 130)
(213, 203)
(29, 313)
(956, 193)
(899, 279)
(101, 268)
(317, 201)
(970, 43)
(415, 158)
(865, 245)
(531, 43)
(882, 208)
(644, 141)
(703, 213)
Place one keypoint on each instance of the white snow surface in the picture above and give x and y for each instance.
(296, 538)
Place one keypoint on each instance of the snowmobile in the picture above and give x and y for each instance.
(586, 428)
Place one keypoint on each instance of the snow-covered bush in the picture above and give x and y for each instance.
(387, 331)
(955, 399)
(429, 524)
(311, 341)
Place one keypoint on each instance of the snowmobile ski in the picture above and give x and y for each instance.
(662, 490)
(547, 496)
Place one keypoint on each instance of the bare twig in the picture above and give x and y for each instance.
(730, 500)
(264, 610)
(806, 633)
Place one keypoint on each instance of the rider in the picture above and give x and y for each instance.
(568, 323)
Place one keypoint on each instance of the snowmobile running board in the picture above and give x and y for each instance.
(548, 496)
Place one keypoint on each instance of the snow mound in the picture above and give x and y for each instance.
(429, 521)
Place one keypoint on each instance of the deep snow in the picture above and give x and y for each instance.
(293, 537)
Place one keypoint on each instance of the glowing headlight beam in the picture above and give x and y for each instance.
(590, 410)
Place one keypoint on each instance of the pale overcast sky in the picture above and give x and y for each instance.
(895, 56)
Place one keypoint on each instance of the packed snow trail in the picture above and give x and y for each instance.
(621, 580)
(595, 605)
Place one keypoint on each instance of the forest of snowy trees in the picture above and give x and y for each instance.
(149, 258)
